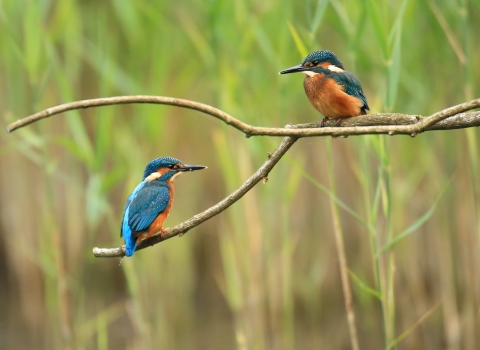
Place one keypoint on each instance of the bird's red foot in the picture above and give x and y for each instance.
(322, 124)
(163, 230)
(339, 121)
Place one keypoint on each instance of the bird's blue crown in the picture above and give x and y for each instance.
(323, 56)
(162, 162)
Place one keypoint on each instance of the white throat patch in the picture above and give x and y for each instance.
(177, 174)
(309, 73)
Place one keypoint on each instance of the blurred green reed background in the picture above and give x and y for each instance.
(264, 274)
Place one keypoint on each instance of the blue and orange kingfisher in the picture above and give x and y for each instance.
(148, 206)
(333, 91)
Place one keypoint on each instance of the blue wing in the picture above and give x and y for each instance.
(352, 86)
(151, 200)
(145, 203)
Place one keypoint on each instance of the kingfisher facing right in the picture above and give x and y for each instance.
(333, 91)
(150, 203)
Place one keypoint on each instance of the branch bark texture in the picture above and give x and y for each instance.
(385, 123)
(455, 117)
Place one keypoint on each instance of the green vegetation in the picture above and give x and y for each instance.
(265, 273)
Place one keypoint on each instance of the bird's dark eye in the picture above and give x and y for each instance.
(171, 166)
(315, 63)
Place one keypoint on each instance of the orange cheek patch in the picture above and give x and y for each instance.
(162, 171)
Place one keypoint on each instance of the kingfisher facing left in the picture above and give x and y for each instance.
(333, 91)
(148, 206)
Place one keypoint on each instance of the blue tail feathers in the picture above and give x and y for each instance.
(130, 246)
(130, 242)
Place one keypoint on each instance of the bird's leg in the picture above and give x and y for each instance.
(163, 230)
(339, 121)
(322, 124)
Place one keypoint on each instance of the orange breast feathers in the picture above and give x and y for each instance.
(329, 98)
(157, 224)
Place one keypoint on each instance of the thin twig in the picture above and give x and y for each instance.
(389, 123)
(415, 325)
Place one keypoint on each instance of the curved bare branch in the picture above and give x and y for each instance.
(385, 123)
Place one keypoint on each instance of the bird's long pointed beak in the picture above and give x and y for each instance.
(191, 167)
(295, 69)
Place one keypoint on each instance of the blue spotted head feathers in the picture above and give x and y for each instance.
(320, 56)
(158, 163)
